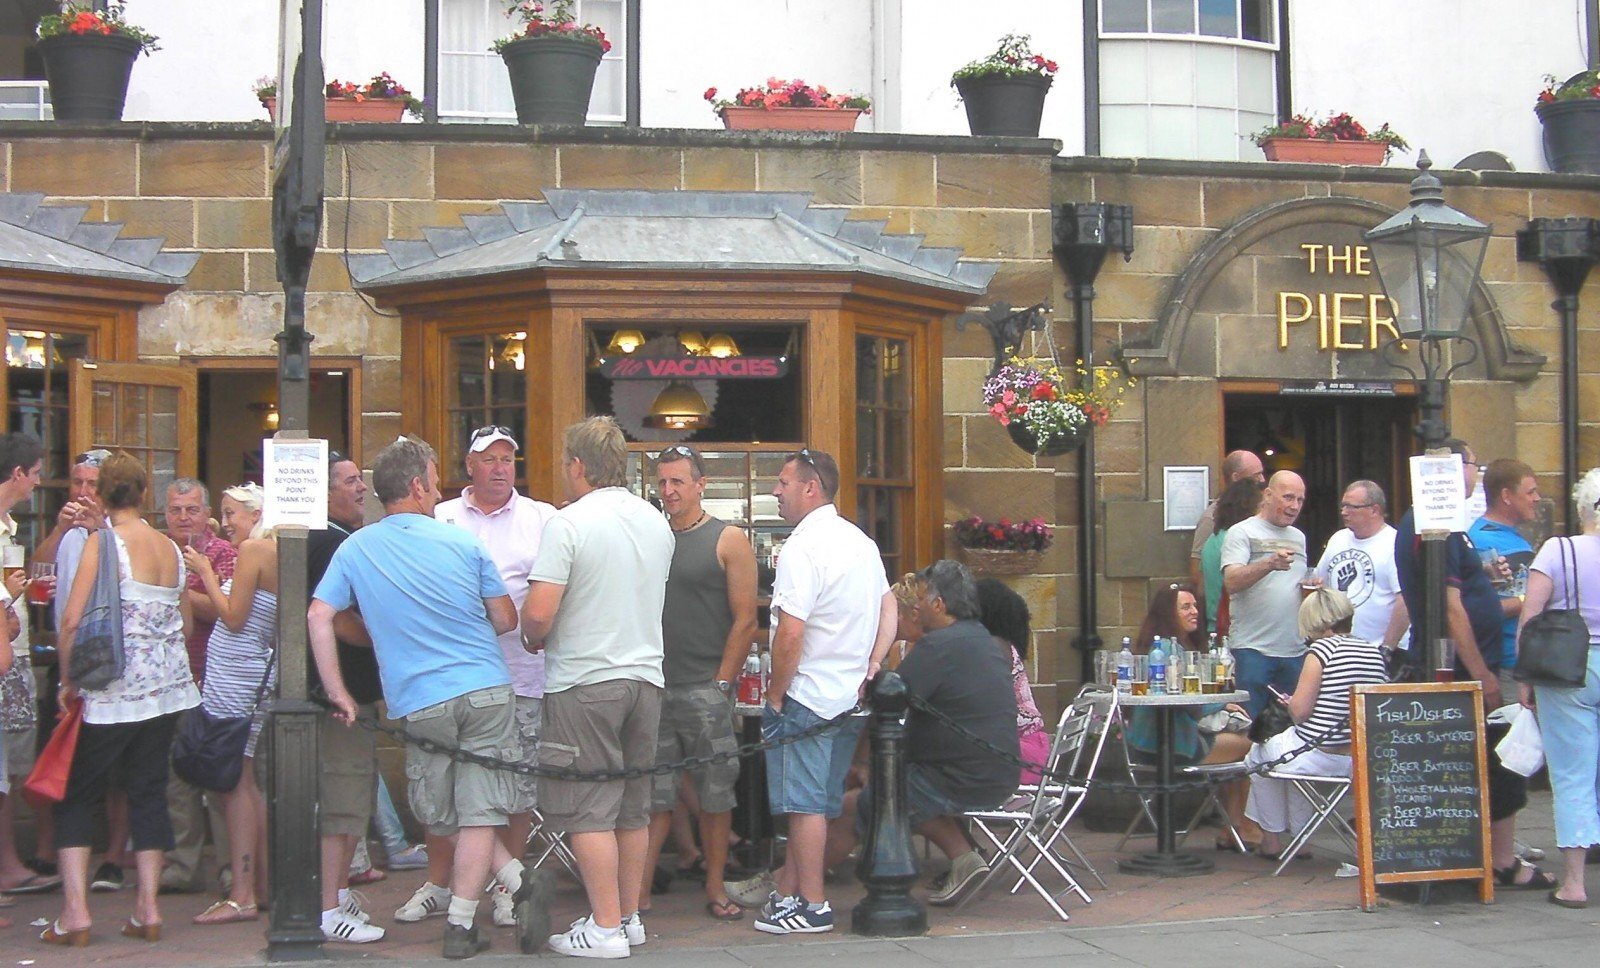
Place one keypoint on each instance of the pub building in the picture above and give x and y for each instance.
(749, 294)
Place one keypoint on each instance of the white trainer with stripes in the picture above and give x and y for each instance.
(585, 940)
(337, 926)
(429, 900)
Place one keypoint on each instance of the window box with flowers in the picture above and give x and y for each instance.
(1570, 114)
(88, 51)
(551, 60)
(1340, 140)
(1002, 547)
(1004, 93)
(380, 99)
(1044, 416)
(789, 106)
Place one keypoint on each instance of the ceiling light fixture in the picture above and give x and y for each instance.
(679, 407)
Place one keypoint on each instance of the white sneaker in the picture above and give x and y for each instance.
(1527, 853)
(633, 929)
(584, 940)
(341, 927)
(429, 900)
(505, 915)
(965, 872)
(354, 905)
(753, 891)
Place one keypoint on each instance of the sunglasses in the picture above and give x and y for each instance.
(679, 450)
(804, 454)
(490, 431)
(91, 458)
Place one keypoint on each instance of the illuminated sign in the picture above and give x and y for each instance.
(695, 368)
(1344, 320)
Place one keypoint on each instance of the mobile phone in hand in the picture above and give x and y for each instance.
(1276, 693)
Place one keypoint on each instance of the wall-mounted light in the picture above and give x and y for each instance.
(693, 342)
(625, 341)
(721, 346)
(679, 407)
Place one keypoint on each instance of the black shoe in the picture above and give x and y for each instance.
(107, 877)
(462, 942)
(531, 904)
(43, 868)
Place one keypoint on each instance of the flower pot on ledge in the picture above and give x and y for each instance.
(1320, 151)
(1001, 561)
(741, 118)
(88, 74)
(1002, 106)
(552, 78)
(1055, 447)
(1571, 135)
(386, 110)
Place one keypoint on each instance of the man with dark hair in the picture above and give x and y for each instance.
(21, 458)
(959, 668)
(433, 603)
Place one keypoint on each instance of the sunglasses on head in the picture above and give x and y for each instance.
(91, 458)
(489, 431)
(679, 450)
(804, 454)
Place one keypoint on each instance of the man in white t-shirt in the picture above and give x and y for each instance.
(833, 620)
(1359, 561)
(1263, 563)
(594, 607)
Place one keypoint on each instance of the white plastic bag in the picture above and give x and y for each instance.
(1522, 749)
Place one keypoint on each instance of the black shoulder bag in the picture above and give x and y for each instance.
(208, 751)
(1553, 648)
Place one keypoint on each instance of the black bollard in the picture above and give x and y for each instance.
(888, 866)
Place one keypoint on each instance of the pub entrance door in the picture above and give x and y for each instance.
(1330, 441)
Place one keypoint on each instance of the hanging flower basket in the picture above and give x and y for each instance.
(1063, 443)
(1001, 561)
(735, 118)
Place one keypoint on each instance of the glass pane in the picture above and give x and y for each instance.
(1172, 16)
(1124, 16)
(896, 444)
(164, 403)
(1256, 21)
(764, 471)
(896, 373)
(1219, 18)
(131, 413)
(466, 362)
(867, 349)
(867, 456)
(105, 414)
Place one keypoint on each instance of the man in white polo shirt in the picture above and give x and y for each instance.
(510, 526)
(833, 620)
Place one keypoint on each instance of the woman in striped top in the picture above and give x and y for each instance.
(1320, 708)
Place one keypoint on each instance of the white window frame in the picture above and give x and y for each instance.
(1195, 36)
(617, 54)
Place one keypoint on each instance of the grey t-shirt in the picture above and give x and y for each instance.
(1266, 615)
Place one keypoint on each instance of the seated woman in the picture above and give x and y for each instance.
(1320, 708)
(1174, 613)
(1004, 613)
(907, 591)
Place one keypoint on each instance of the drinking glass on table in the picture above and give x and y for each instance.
(1141, 675)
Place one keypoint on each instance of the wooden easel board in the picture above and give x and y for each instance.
(1421, 779)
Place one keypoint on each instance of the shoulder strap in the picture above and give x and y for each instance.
(1568, 545)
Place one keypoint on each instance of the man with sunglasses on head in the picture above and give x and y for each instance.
(510, 525)
(707, 624)
(834, 618)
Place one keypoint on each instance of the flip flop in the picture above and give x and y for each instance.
(227, 911)
(1539, 881)
(1559, 901)
(36, 884)
(725, 910)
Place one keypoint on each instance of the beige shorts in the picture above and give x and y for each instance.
(349, 775)
(530, 718)
(605, 726)
(21, 750)
(696, 720)
(446, 795)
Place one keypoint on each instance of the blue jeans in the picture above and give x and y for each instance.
(1254, 671)
(807, 776)
(1569, 721)
(387, 819)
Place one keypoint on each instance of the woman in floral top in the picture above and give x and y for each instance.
(1006, 616)
(132, 720)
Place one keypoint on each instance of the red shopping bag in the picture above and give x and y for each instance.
(47, 783)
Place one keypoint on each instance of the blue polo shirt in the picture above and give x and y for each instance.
(420, 585)
(1512, 546)
(1463, 570)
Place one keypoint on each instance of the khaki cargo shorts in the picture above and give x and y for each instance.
(601, 727)
(696, 720)
(348, 775)
(446, 795)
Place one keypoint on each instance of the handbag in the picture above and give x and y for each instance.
(208, 751)
(47, 781)
(1553, 648)
(97, 659)
(1273, 719)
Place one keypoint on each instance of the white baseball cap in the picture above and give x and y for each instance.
(484, 436)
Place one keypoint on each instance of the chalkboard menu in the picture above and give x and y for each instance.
(1421, 783)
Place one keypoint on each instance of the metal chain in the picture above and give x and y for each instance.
(1097, 783)
(560, 773)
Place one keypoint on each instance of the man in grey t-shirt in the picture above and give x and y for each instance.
(1263, 565)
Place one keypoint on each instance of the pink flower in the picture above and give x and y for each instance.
(998, 411)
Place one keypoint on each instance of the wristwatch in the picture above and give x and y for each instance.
(725, 686)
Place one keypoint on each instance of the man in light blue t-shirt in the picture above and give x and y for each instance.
(1513, 497)
(434, 604)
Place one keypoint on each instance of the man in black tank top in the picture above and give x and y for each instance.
(708, 623)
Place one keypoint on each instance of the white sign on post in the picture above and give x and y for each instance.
(1438, 493)
(296, 483)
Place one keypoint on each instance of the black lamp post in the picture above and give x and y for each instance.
(1566, 248)
(1428, 259)
(1084, 232)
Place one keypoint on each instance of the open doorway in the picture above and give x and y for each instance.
(239, 407)
(1328, 440)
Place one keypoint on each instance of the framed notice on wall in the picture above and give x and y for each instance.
(1185, 492)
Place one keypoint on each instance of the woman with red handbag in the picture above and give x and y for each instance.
(131, 720)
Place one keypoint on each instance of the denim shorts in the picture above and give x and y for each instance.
(925, 800)
(807, 777)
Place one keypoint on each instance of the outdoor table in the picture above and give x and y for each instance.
(1167, 860)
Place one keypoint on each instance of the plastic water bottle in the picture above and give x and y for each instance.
(1125, 667)
(1158, 669)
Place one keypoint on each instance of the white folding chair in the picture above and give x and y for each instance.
(543, 844)
(1325, 794)
(1037, 819)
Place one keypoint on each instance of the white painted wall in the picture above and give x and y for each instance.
(1452, 76)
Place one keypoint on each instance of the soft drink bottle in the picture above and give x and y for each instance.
(750, 678)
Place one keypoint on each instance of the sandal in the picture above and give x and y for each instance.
(227, 911)
(35, 884)
(725, 910)
(1566, 902)
(1537, 881)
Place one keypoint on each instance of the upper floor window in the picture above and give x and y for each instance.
(1246, 20)
(473, 86)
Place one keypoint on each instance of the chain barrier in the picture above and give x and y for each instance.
(1203, 779)
(602, 776)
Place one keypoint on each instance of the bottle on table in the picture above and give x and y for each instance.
(1125, 667)
(1158, 669)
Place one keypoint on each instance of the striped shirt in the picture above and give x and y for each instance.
(1346, 661)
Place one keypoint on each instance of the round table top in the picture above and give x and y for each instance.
(1184, 698)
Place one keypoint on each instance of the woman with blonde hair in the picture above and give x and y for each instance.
(129, 723)
(1320, 708)
(240, 674)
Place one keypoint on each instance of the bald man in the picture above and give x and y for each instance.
(1263, 565)
(1236, 466)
